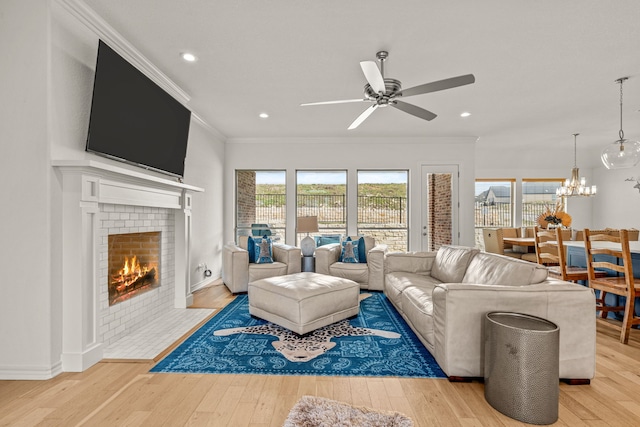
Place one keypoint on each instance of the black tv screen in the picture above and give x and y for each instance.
(133, 119)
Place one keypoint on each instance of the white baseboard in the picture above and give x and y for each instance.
(30, 372)
(201, 284)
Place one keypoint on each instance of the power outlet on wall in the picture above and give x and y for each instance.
(203, 266)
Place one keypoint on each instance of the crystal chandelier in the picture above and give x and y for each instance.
(623, 153)
(575, 186)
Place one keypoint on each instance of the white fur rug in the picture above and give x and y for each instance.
(312, 411)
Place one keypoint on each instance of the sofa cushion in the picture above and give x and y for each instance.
(396, 283)
(263, 250)
(251, 248)
(417, 306)
(362, 251)
(350, 252)
(352, 271)
(494, 269)
(262, 271)
(451, 263)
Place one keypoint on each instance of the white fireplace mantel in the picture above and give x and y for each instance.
(86, 184)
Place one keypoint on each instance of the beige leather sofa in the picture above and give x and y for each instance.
(237, 272)
(369, 275)
(445, 295)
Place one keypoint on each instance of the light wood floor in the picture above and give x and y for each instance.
(125, 393)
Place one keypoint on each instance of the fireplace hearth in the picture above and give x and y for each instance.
(134, 260)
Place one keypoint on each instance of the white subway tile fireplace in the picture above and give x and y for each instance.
(98, 200)
(130, 312)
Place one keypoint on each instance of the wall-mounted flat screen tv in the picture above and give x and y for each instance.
(133, 119)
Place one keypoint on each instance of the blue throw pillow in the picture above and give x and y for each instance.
(362, 251)
(251, 248)
(263, 250)
(350, 251)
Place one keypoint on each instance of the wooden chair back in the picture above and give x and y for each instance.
(605, 251)
(493, 240)
(547, 252)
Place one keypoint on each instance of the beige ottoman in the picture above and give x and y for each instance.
(303, 302)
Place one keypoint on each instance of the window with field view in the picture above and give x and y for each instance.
(382, 207)
(537, 196)
(261, 203)
(323, 194)
(493, 206)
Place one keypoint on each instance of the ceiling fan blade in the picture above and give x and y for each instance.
(414, 110)
(343, 101)
(362, 117)
(439, 85)
(373, 76)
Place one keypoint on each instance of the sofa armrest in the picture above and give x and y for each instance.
(235, 268)
(411, 262)
(327, 255)
(375, 263)
(290, 255)
(459, 310)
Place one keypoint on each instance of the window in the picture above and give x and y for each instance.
(323, 194)
(261, 203)
(382, 207)
(537, 194)
(493, 205)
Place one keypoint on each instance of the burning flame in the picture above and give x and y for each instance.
(130, 272)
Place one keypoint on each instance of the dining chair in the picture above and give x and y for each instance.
(494, 243)
(551, 252)
(547, 252)
(623, 284)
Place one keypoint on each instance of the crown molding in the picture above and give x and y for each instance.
(116, 41)
(206, 126)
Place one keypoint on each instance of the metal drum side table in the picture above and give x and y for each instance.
(522, 366)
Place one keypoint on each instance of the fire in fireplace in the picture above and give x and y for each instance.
(134, 260)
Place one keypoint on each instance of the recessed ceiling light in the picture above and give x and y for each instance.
(189, 57)
(264, 115)
(465, 114)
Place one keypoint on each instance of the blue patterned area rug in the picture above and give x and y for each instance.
(376, 343)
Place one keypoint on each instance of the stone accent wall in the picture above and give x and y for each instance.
(246, 198)
(439, 210)
(120, 319)
(396, 240)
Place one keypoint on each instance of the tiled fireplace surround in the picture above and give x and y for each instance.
(120, 319)
(99, 199)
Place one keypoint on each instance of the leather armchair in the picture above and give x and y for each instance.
(237, 272)
(369, 275)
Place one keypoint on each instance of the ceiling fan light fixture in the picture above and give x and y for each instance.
(623, 153)
(384, 92)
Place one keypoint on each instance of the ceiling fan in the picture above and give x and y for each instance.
(384, 92)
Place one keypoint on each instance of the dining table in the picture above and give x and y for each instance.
(520, 241)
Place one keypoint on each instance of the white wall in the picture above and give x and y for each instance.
(204, 168)
(48, 60)
(25, 257)
(618, 201)
(353, 154)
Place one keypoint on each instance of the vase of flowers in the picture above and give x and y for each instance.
(554, 217)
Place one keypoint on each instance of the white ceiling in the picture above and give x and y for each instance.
(544, 69)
